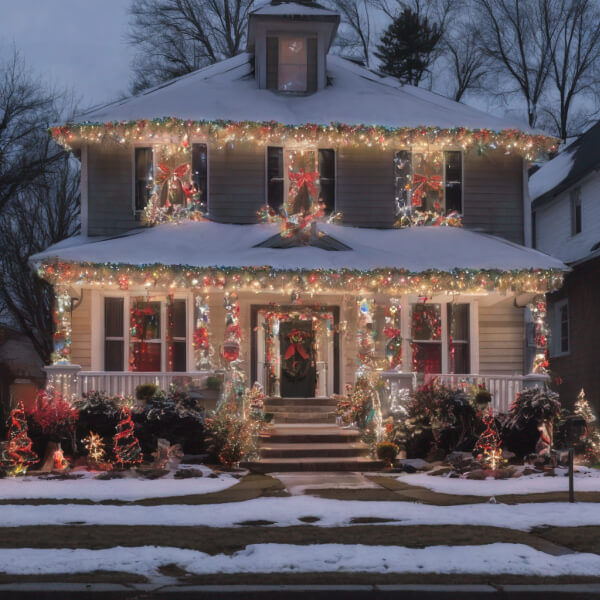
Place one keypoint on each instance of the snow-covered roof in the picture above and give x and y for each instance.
(209, 244)
(293, 9)
(227, 90)
(567, 168)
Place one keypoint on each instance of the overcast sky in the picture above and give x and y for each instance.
(75, 43)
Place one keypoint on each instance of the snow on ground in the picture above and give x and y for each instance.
(517, 559)
(128, 488)
(287, 511)
(586, 480)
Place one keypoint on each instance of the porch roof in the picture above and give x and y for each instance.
(207, 244)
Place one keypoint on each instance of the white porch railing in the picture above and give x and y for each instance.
(504, 388)
(125, 382)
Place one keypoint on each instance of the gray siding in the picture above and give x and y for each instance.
(501, 339)
(236, 183)
(110, 182)
(493, 194)
(365, 187)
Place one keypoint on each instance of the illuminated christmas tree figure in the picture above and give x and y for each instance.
(95, 446)
(16, 455)
(127, 446)
(591, 439)
(487, 448)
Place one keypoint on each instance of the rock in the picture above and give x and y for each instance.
(549, 473)
(188, 473)
(440, 471)
(528, 471)
(478, 474)
(454, 475)
(504, 473)
(417, 464)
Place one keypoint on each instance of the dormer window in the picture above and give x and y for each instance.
(292, 63)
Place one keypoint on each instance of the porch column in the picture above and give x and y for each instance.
(63, 378)
(62, 325)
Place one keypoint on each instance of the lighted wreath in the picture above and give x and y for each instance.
(297, 359)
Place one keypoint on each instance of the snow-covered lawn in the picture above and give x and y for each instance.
(586, 480)
(130, 488)
(287, 511)
(499, 558)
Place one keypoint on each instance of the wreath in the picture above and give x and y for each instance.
(297, 360)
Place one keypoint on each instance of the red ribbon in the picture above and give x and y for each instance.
(434, 182)
(296, 346)
(303, 178)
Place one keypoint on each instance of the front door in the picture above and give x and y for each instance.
(298, 369)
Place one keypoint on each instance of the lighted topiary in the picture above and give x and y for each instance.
(387, 452)
(126, 445)
(16, 455)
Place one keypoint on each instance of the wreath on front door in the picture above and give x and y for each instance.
(297, 359)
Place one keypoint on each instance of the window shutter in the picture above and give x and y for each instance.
(311, 65)
(275, 177)
(200, 172)
(272, 63)
(327, 178)
(114, 349)
(453, 180)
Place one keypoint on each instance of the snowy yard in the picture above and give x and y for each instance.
(285, 512)
(129, 488)
(499, 558)
(586, 480)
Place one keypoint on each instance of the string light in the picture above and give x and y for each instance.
(224, 132)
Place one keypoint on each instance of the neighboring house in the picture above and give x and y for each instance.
(565, 196)
(298, 311)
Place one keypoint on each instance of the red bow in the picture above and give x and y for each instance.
(296, 337)
(303, 178)
(434, 182)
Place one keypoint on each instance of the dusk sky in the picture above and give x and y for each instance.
(74, 43)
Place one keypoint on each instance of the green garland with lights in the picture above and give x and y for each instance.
(399, 281)
(225, 132)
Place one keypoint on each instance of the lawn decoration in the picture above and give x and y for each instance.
(126, 444)
(590, 442)
(94, 444)
(487, 448)
(16, 455)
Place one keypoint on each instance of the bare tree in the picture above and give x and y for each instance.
(466, 64)
(354, 37)
(511, 35)
(39, 198)
(175, 37)
(575, 59)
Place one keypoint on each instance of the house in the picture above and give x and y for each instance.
(292, 215)
(565, 196)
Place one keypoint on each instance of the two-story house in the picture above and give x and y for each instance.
(296, 215)
(565, 196)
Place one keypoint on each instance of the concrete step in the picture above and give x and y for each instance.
(301, 401)
(310, 434)
(300, 418)
(333, 450)
(270, 465)
(298, 408)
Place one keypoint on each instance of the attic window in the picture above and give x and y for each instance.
(292, 64)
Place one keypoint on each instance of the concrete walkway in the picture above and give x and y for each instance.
(297, 483)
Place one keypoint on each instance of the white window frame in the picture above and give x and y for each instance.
(194, 140)
(443, 301)
(557, 342)
(98, 327)
(462, 173)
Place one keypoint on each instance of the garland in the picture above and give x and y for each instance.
(270, 132)
(397, 281)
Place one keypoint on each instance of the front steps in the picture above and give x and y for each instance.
(306, 438)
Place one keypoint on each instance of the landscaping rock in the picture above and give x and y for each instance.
(440, 471)
(477, 474)
(528, 471)
(549, 473)
(151, 473)
(188, 473)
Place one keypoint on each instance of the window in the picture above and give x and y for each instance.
(428, 182)
(576, 211)
(292, 63)
(145, 336)
(426, 338)
(114, 340)
(275, 183)
(144, 181)
(561, 342)
(176, 358)
(200, 173)
(458, 338)
(327, 179)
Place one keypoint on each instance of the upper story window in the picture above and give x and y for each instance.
(576, 223)
(170, 180)
(292, 63)
(428, 182)
(298, 178)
